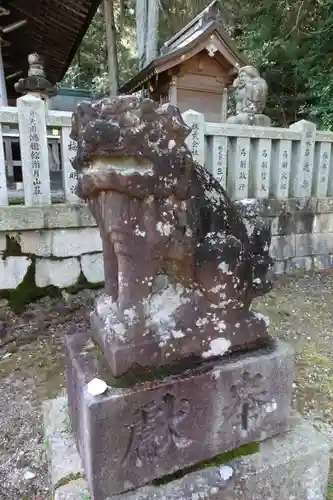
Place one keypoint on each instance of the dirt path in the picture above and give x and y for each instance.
(32, 369)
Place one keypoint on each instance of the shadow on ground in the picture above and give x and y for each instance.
(32, 369)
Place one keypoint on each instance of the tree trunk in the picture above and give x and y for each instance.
(141, 15)
(111, 37)
(152, 30)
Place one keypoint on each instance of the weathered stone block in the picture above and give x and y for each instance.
(324, 205)
(249, 208)
(75, 490)
(60, 273)
(321, 262)
(93, 267)
(293, 465)
(282, 247)
(279, 267)
(322, 243)
(323, 223)
(303, 222)
(75, 242)
(298, 263)
(283, 225)
(304, 245)
(67, 215)
(305, 205)
(13, 271)
(63, 459)
(163, 344)
(21, 217)
(36, 242)
(3, 242)
(129, 436)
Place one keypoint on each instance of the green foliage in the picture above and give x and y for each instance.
(291, 43)
(89, 68)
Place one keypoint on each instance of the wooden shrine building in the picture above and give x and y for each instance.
(195, 68)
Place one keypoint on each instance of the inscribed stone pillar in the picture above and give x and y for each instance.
(34, 150)
(302, 171)
(196, 138)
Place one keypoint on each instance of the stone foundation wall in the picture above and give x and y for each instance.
(302, 231)
(59, 245)
(56, 246)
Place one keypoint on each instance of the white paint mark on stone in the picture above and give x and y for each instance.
(28, 475)
(262, 317)
(160, 309)
(226, 472)
(270, 407)
(164, 228)
(218, 347)
(138, 232)
(178, 334)
(125, 166)
(96, 387)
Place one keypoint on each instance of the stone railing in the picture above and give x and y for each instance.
(250, 162)
(35, 154)
(283, 175)
(264, 162)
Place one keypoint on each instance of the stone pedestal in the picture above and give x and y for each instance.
(293, 465)
(190, 338)
(181, 370)
(129, 436)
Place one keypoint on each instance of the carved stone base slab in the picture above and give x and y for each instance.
(293, 465)
(129, 436)
(154, 349)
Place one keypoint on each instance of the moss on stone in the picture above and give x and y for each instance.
(13, 247)
(83, 284)
(222, 459)
(68, 479)
(139, 375)
(27, 291)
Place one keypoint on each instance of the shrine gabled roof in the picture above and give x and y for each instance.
(54, 29)
(207, 25)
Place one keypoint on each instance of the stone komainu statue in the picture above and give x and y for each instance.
(250, 96)
(161, 213)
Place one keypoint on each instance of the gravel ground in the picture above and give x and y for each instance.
(32, 369)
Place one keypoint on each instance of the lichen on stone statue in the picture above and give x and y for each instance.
(180, 268)
(250, 91)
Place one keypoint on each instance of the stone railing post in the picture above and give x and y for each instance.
(321, 173)
(217, 160)
(69, 175)
(302, 168)
(196, 140)
(280, 171)
(3, 176)
(32, 108)
(34, 150)
(239, 169)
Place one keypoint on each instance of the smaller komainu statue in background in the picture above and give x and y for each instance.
(251, 97)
